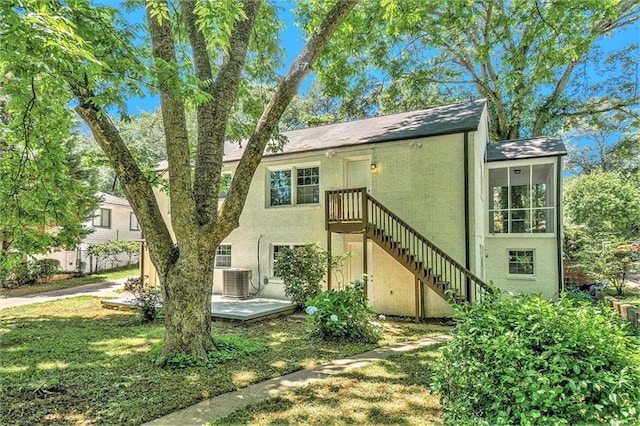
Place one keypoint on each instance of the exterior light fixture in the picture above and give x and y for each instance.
(517, 171)
(374, 167)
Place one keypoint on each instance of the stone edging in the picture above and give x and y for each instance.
(629, 312)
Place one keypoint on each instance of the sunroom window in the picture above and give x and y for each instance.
(522, 199)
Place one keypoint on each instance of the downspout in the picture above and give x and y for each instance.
(467, 226)
(559, 223)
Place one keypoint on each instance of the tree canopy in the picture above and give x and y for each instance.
(539, 64)
(207, 57)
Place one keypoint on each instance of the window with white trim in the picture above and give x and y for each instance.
(133, 222)
(295, 186)
(102, 218)
(522, 199)
(521, 262)
(223, 256)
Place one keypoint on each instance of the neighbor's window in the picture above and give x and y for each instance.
(102, 218)
(521, 262)
(522, 199)
(133, 222)
(285, 190)
(223, 256)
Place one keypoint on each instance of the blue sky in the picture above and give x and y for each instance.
(293, 40)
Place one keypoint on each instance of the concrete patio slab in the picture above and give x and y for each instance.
(226, 308)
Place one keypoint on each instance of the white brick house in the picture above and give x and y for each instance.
(437, 207)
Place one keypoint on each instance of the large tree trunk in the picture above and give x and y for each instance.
(187, 301)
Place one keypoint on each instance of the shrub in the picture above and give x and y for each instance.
(147, 300)
(19, 273)
(44, 269)
(301, 269)
(343, 315)
(523, 360)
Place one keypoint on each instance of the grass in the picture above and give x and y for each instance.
(71, 362)
(393, 391)
(67, 283)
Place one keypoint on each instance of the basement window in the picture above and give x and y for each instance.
(223, 256)
(521, 262)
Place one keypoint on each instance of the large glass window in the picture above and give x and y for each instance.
(304, 188)
(102, 218)
(522, 199)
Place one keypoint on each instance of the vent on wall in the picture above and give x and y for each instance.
(235, 283)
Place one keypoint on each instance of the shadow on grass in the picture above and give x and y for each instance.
(394, 391)
(71, 362)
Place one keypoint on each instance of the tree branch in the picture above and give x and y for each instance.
(133, 181)
(173, 116)
(213, 115)
(285, 91)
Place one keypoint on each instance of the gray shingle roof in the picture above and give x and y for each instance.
(544, 146)
(111, 199)
(442, 120)
(435, 121)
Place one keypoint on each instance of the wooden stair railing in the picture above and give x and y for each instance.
(354, 210)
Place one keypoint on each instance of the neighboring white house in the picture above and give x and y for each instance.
(428, 205)
(113, 220)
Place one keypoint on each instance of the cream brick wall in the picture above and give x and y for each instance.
(545, 279)
(419, 180)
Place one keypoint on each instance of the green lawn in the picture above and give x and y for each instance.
(394, 391)
(71, 362)
(68, 283)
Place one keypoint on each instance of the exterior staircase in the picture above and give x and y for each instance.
(355, 211)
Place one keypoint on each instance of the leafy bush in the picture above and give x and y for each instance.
(343, 315)
(147, 300)
(228, 349)
(19, 273)
(302, 269)
(44, 269)
(523, 360)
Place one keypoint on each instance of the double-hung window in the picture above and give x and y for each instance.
(294, 186)
(102, 218)
(223, 256)
(522, 199)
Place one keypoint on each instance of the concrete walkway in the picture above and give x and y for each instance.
(223, 405)
(103, 289)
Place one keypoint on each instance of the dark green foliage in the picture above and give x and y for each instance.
(46, 268)
(343, 315)
(302, 269)
(19, 273)
(524, 360)
(25, 272)
(228, 348)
